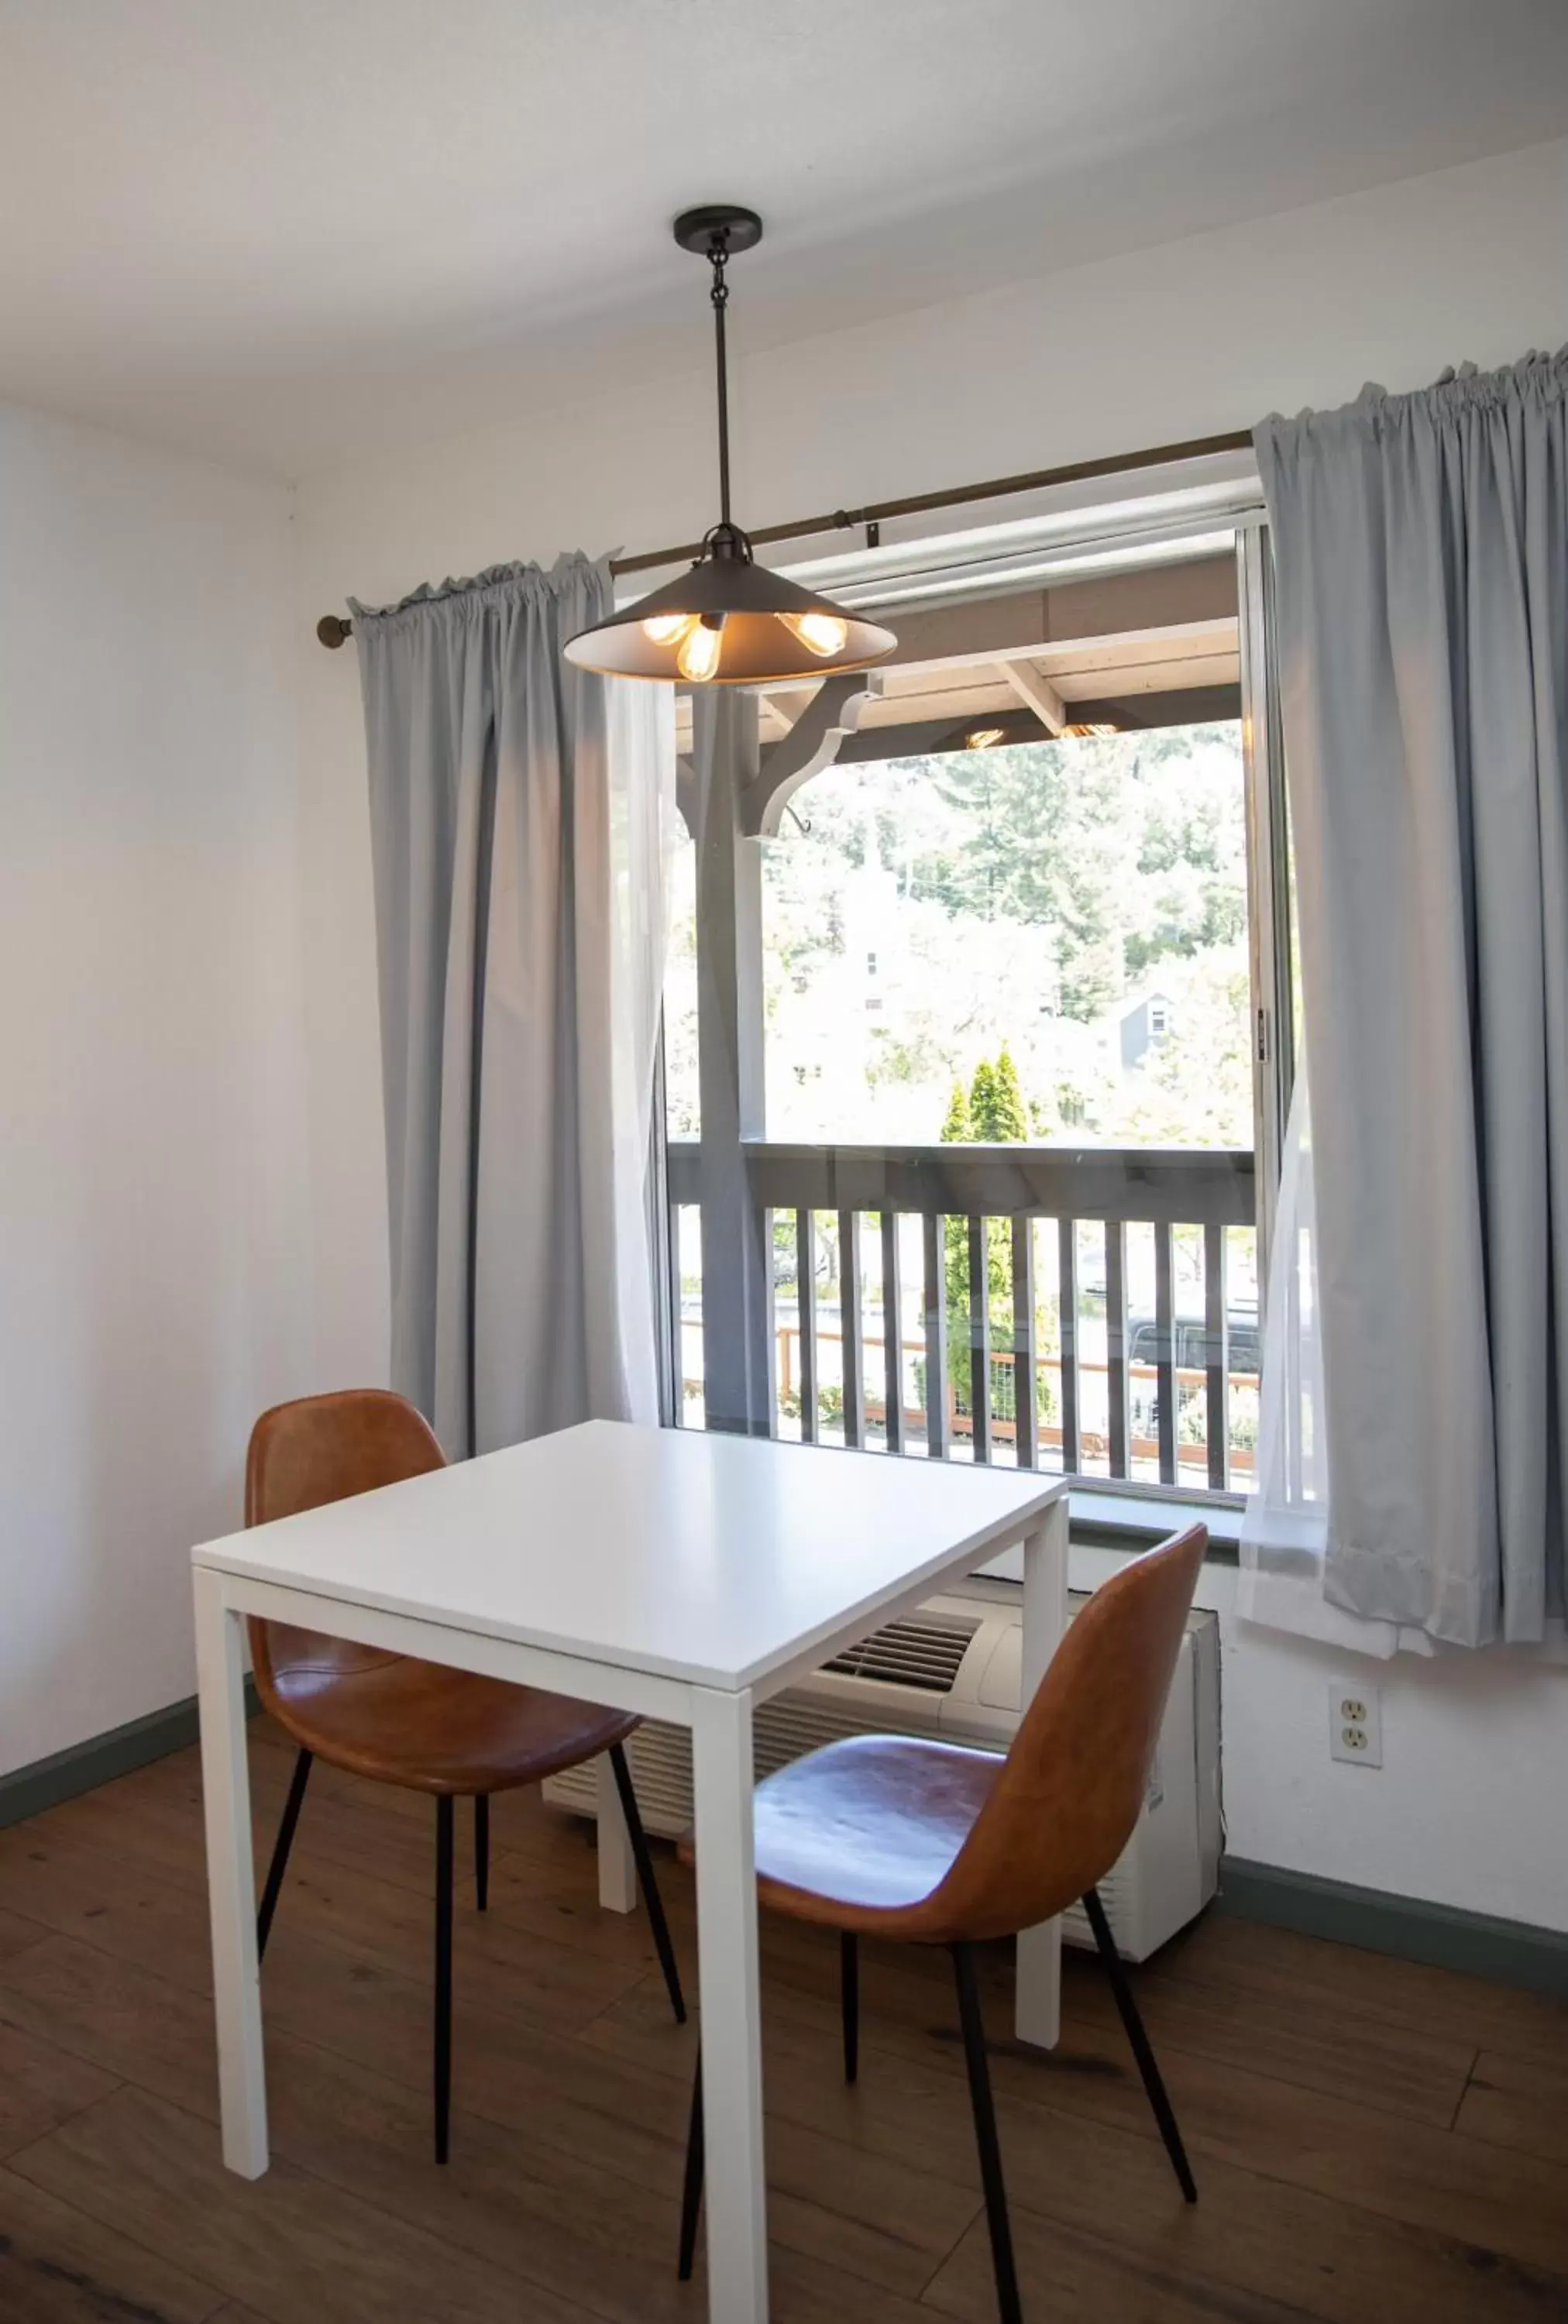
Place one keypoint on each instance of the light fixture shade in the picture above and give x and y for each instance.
(752, 611)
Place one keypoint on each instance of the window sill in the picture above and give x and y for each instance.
(1110, 1517)
(1107, 1516)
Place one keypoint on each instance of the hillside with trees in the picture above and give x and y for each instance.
(1080, 905)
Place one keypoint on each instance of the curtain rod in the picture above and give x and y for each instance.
(334, 632)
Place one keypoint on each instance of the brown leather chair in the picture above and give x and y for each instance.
(891, 1836)
(448, 1732)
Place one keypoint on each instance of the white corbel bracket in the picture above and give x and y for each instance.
(833, 714)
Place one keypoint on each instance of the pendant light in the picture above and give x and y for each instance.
(729, 621)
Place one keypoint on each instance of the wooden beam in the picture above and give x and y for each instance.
(1037, 694)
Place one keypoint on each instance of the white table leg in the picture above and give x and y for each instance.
(731, 2048)
(230, 1878)
(617, 1864)
(1037, 1995)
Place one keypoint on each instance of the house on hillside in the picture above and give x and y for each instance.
(1144, 1021)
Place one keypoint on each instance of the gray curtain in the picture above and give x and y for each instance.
(1421, 548)
(519, 1296)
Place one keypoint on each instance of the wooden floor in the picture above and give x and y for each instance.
(1375, 2142)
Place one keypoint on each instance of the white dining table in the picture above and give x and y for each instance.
(681, 1575)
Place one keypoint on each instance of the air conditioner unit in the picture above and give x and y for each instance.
(954, 1669)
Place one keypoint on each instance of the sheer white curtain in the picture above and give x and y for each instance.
(643, 829)
(1284, 1531)
(521, 813)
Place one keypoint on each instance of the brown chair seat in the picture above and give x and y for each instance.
(861, 1834)
(421, 1725)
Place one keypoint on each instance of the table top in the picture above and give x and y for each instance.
(714, 1559)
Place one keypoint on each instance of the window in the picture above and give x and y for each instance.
(1016, 941)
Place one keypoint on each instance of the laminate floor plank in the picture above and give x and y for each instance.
(41, 2085)
(16, 1933)
(286, 2244)
(1520, 2102)
(59, 2266)
(1249, 1960)
(109, 1900)
(1070, 2273)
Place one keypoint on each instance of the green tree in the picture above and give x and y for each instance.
(992, 1113)
(982, 1101)
(1045, 830)
(996, 1102)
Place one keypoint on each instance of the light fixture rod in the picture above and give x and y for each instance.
(719, 295)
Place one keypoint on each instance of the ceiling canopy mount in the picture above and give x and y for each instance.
(718, 228)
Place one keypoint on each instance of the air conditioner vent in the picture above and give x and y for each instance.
(922, 1650)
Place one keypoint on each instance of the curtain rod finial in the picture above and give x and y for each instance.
(333, 630)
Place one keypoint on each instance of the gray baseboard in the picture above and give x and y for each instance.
(1513, 1952)
(28, 1791)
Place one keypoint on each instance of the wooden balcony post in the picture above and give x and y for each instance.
(1116, 1343)
(892, 1332)
(938, 1401)
(1216, 1360)
(1025, 1345)
(737, 1296)
(1167, 1391)
(806, 1289)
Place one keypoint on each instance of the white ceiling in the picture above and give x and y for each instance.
(283, 231)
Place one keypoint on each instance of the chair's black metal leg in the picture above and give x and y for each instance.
(849, 2001)
(691, 2187)
(646, 1881)
(482, 1849)
(442, 2057)
(985, 2138)
(1164, 2113)
(281, 1847)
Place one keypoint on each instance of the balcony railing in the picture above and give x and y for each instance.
(1119, 1284)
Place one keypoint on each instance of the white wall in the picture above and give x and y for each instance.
(1471, 1808)
(155, 1285)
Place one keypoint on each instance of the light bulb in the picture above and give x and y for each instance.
(664, 628)
(698, 657)
(981, 738)
(819, 633)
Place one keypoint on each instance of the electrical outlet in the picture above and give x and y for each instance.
(1355, 1724)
